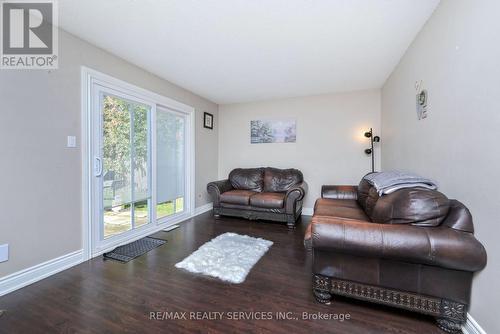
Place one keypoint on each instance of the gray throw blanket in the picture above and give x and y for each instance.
(388, 182)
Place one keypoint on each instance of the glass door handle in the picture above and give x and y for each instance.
(97, 166)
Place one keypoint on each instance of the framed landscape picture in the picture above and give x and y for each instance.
(208, 120)
(273, 131)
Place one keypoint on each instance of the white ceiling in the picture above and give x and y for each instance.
(246, 50)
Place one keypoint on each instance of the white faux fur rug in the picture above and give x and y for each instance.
(229, 257)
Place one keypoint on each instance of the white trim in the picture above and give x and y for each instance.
(38, 272)
(307, 211)
(202, 209)
(191, 143)
(472, 327)
(153, 161)
(86, 168)
(106, 80)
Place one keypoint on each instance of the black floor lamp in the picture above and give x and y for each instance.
(370, 151)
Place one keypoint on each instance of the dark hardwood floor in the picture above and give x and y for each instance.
(110, 297)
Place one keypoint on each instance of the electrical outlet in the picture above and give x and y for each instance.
(4, 253)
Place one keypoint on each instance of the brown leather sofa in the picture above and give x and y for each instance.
(413, 249)
(260, 193)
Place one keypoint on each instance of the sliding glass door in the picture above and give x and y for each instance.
(142, 166)
(126, 191)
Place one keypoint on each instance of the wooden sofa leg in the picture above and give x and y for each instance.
(453, 316)
(321, 289)
(290, 221)
(450, 326)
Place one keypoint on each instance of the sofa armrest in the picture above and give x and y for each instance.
(293, 195)
(339, 192)
(216, 188)
(297, 192)
(436, 246)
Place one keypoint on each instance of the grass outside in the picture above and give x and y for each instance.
(116, 222)
(169, 208)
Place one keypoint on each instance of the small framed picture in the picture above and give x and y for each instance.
(208, 120)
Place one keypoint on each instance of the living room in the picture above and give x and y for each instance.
(232, 166)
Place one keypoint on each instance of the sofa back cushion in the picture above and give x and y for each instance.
(247, 179)
(281, 180)
(367, 196)
(459, 217)
(416, 206)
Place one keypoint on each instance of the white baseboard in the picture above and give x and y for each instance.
(307, 211)
(202, 209)
(43, 270)
(472, 327)
(38, 272)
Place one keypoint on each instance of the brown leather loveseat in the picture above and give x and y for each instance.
(413, 249)
(260, 193)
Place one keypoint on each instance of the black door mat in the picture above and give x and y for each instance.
(134, 249)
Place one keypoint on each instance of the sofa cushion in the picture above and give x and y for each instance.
(250, 208)
(363, 189)
(268, 200)
(459, 217)
(241, 197)
(281, 180)
(436, 246)
(339, 192)
(367, 196)
(350, 203)
(348, 209)
(371, 201)
(247, 179)
(416, 206)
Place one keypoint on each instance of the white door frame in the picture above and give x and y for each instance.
(89, 77)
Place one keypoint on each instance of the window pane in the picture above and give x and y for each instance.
(179, 204)
(164, 209)
(140, 152)
(116, 152)
(170, 162)
(117, 176)
(141, 213)
(117, 220)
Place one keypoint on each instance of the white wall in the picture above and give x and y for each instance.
(457, 55)
(40, 200)
(330, 143)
